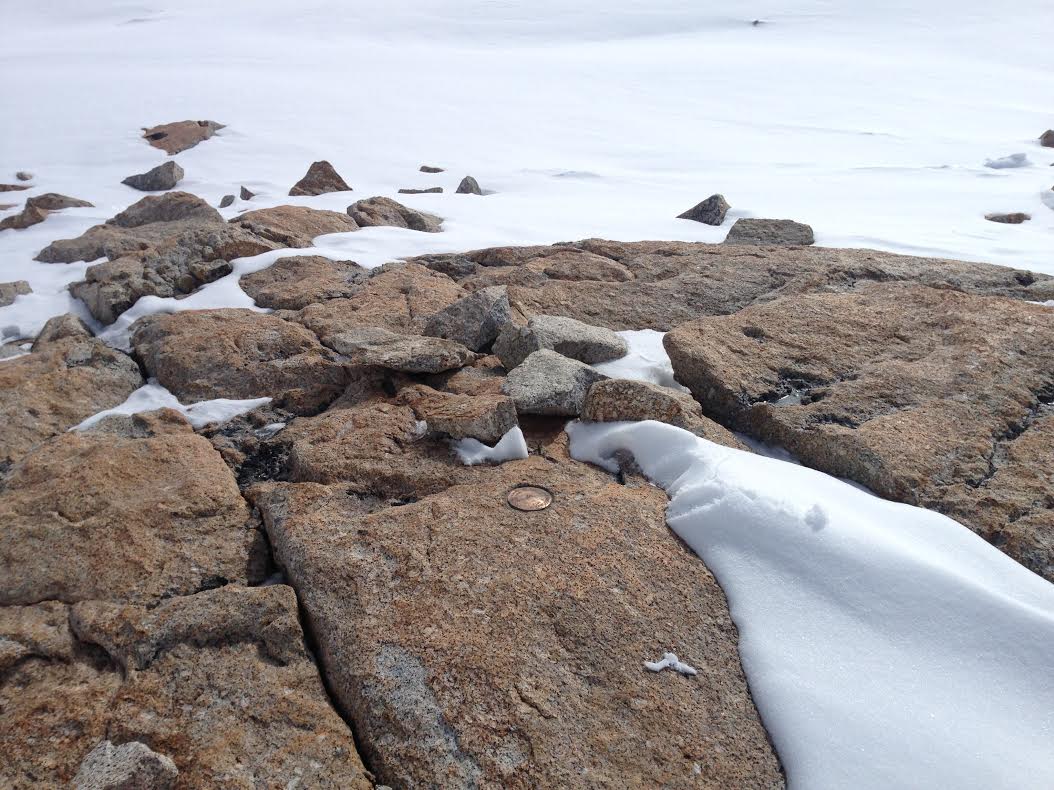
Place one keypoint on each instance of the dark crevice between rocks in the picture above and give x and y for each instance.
(997, 457)
(793, 388)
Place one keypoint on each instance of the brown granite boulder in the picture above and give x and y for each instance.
(27, 218)
(294, 283)
(320, 178)
(385, 211)
(293, 226)
(371, 345)
(927, 396)
(11, 291)
(459, 416)
(231, 353)
(172, 138)
(52, 201)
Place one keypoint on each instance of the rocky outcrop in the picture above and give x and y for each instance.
(474, 320)
(385, 211)
(296, 282)
(769, 231)
(10, 291)
(658, 285)
(550, 383)
(574, 339)
(204, 354)
(370, 345)
(865, 385)
(27, 218)
(157, 179)
(294, 226)
(711, 211)
(320, 178)
(173, 138)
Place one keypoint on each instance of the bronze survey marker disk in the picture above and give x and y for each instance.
(530, 498)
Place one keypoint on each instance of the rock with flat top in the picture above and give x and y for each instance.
(770, 231)
(295, 282)
(385, 211)
(550, 383)
(375, 346)
(1014, 218)
(574, 339)
(429, 191)
(430, 169)
(53, 201)
(320, 179)
(158, 179)
(294, 226)
(483, 417)
(172, 138)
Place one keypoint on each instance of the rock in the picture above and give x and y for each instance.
(865, 385)
(430, 169)
(14, 187)
(710, 212)
(52, 201)
(616, 400)
(23, 175)
(226, 200)
(27, 218)
(470, 644)
(1047, 139)
(429, 191)
(483, 377)
(59, 328)
(245, 194)
(66, 379)
(659, 285)
(468, 186)
(483, 417)
(769, 231)
(160, 178)
(229, 353)
(130, 766)
(1015, 218)
(8, 291)
(403, 353)
(574, 339)
(474, 320)
(172, 138)
(319, 179)
(294, 226)
(550, 383)
(385, 211)
(296, 282)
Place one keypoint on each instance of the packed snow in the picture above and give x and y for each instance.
(646, 360)
(510, 447)
(885, 645)
(153, 396)
(670, 661)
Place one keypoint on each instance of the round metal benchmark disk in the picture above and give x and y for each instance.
(530, 498)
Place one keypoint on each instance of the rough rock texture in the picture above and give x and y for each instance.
(138, 510)
(172, 138)
(430, 169)
(229, 353)
(294, 226)
(1047, 139)
(220, 682)
(473, 321)
(658, 285)
(24, 175)
(370, 345)
(14, 187)
(711, 211)
(226, 200)
(480, 416)
(468, 186)
(769, 231)
(158, 179)
(53, 201)
(8, 291)
(60, 327)
(574, 339)
(319, 179)
(385, 211)
(245, 194)
(474, 645)
(867, 386)
(615, 400)
(27, 218)
(428, 191)
(1015, 218)
(398, 297)
(61, 383)
(294, 283)
(550, 383)
(130, 766)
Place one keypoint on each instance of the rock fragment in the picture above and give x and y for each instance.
(468, 186)
(13, 187)
(52, 201)
(158, 179)
(245, 194)
(27, 218)
(1014, 218)
(711, 211)
(474, 320)
(567, 336)
(294, 226)
(24, 175)
(483, 417)
(295, 282)
(769, 231)
(320, 179)
(226, 200)
(385, 211)
(430, 169)
(173, 138)
(429, 191)
(550, 383)
(9, 291)
(402, 353)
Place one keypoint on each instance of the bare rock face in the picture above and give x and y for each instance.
(294, 226)
(550, 383)
(574, 339)
(474, 320)
(616, 400)
(296, 282)
(459, 416)
(172, 138)
(711, 211)
(53, 201)
(370, 345)
(65, 380)
(130, 766)
(319, 179)
(769, 231)
(385, 211)
(27, 218)
(659, 285)
(229, 353)
(923, 395)
(157, 179)
(470, 644)
(139, 510)
(9, 291)
(1047, 139)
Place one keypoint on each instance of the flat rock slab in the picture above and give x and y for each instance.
(378, 211)
(474, 645)
(403, 353)
(294, 226)
(294, 283)
(136, 511)
(219, 683)
(923, 395)
(486, 417)
(769, 231)
(658, 285)
(230, 353)
(172, 138)
(566, 336)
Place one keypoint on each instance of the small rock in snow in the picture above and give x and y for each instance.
(320, 178)
(160, 178)
(1047, 139)
(25, 175)
(430, 169)
(1014, 218)
(52, 201)
(246, 194)
(227, 200)
(429, 191)
(710, 212)
(469, 186)
(8, 291)
(172, 138)
(1005, 162)
(670, 661)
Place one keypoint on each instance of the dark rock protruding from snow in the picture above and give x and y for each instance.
(1047, 139)
(710, 212)
(320, 179)
(429, 191)
(158, 179)
(226, 200)
(550, 383)
(53, 201)
(27, 218)
(8, 291)
(430, 169)
(474, 320)
(130, 766)
(1013, 218)
(469, 186)
(294, 283)
(385, 211)
(245, 194)
(783, 232)
(24, 175)
(567, 336)
(172, 138)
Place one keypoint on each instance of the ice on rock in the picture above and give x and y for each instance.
(510, 447)
(153, 396)
(670, 661)
(646, 360)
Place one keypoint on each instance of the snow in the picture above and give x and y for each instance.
(153, 396)
(510, 447)
(646, 360)
(1005, 162)
(670, 661)
(885, 645)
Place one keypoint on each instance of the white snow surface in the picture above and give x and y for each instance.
(670, 661)
(886, 646)
(153, 396)
(646, 360)
(510, 447)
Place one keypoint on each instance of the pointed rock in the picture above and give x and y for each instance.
(469, 186)
(320, 179)
(245, 194)
(710, 212)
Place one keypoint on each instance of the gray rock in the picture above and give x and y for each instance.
(429, 191)
(385, 211)
(1047, 139)
(245, 194)
(1014, 218)
(28, 217)
(770, 231)
(404, 353)
(52, 201)
(550, 383)
(173, 207)
(162, 177)
(24, 175)
(8, 291)
(130, 766)
(320, 179)
(710, 212)
(430, 169)
(227, 200)
(469, 186)
(574, 339)
(474, 320)
(60, 327)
